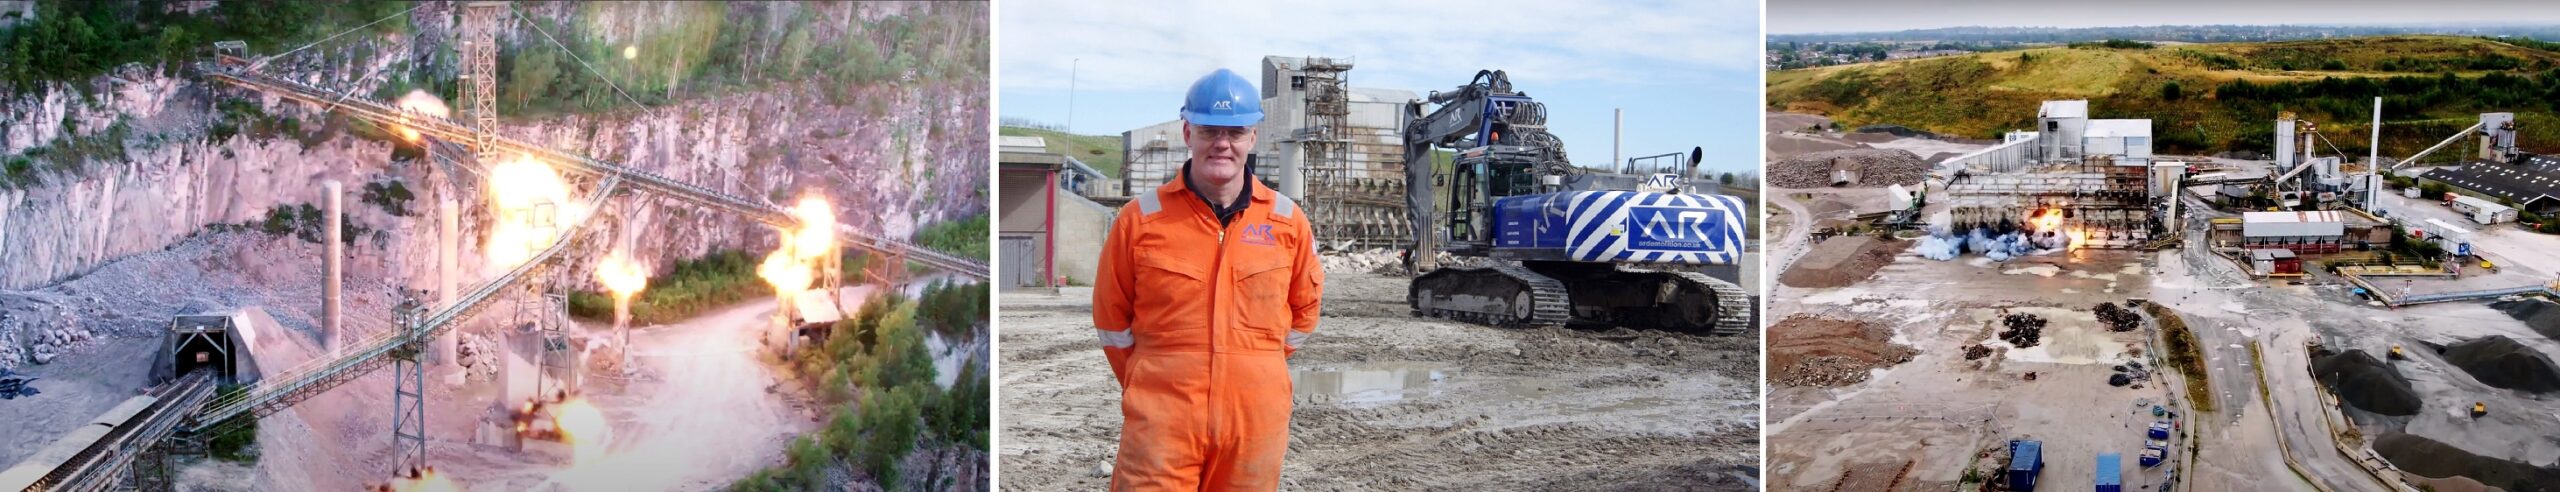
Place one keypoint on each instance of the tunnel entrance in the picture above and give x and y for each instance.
(206, 342)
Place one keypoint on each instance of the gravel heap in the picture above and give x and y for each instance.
(2024, 330)
(1875, 168)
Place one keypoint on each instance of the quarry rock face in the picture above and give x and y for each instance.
(890, 159)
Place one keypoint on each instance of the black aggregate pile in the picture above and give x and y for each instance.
(2541, 314)
(2429, 458)
(2502, 362)
(2366, 383)
(2117, 318)
(2024, 330)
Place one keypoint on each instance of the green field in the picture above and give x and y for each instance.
(2205, 98)
(1100, 151)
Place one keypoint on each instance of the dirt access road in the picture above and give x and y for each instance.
(1390, 402)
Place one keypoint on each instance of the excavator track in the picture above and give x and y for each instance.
(1733, 306)
(1503, 295)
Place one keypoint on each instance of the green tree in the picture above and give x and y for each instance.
(2171, 92)
(1726, 178)
(890, 415)
(534, 70)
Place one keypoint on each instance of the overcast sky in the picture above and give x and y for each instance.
(1687, 73)
(1836, 16)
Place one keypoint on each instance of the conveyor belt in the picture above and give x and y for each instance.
(450, 130)
(290, 387)
(104, 463)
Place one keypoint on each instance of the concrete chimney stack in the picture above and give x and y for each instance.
(448, 261)
(332, 311)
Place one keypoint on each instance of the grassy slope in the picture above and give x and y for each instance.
(1981, 95)
(1100, 151)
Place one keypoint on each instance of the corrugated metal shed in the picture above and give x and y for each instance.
(2292, 224)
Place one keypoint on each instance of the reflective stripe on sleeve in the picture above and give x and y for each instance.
(1297, 338)
(1117, 339)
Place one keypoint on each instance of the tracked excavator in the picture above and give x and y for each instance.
(1545, 243)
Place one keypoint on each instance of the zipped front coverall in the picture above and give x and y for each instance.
(1198, 320)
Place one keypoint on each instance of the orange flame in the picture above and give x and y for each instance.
(583, 427)
(622, 275)
(422, 103)
(791, 268)
(533, 206)
(426, 481)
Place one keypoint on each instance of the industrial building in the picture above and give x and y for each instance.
(1338, 148)
(2299, 232)
(2532, 185)
(1046, 232)
(2483, 211)
(2065, 134)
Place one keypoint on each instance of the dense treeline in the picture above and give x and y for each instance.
(74, 40)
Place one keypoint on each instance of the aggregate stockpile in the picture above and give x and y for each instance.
(1849, 167)
(2366, 383)
(2502, 362)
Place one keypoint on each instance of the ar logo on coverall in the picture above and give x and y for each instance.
(1259, 235)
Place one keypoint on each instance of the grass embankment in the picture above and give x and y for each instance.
(2183, 354)
(1100, 151)
(2205, 98)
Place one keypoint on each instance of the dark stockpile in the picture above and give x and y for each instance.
(2541, 314)
(2429, 458)
(1976, 352)
(2366, 383)
(1874, 167)
(2116, 318)
(2024, 330)
(2499, 361)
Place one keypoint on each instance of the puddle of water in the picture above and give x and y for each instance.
(1369, 384)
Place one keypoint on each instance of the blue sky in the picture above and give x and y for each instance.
(1686, 73)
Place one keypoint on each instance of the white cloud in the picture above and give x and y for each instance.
(1418, 45)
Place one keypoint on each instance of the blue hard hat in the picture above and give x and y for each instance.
(1222, 98)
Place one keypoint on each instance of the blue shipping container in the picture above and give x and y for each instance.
(2110, 472)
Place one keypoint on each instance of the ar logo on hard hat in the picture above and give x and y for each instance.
(1222, 105)
(1259, 235)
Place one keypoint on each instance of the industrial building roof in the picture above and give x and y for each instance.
(2292, 224)
(2077, 108)
(2270, 254)
(1022, 143)
(2322, 216)
(2538, 178)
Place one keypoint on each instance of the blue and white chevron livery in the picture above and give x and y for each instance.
(1622, 226)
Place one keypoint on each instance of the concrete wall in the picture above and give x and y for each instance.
(1082, 225)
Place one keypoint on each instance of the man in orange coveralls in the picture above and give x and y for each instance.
(1206, 286)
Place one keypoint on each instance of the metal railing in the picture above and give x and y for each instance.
(102, 465)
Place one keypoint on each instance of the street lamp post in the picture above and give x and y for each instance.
(1072, 65)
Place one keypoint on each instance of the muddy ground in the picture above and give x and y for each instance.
(1390, 402)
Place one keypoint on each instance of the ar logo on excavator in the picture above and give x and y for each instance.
(1670, 228)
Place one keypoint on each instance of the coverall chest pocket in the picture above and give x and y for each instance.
(1172, 295)
(1263, 300)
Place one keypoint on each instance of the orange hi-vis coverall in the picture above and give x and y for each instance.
(1198, 320)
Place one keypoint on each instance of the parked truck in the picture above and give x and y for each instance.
(2026, 462)
(2110, 472)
